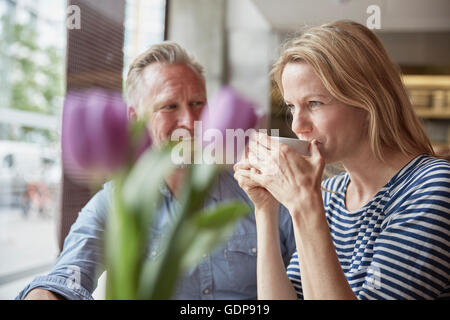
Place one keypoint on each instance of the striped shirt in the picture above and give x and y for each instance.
(398, 245)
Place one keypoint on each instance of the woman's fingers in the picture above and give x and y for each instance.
(242, 165)
(316, 155)
(245, 165)
(263, 140)
(245, 178)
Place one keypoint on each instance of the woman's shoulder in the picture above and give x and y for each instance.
(422, 171)
(431, 162)
(424, 183)
(428, 161)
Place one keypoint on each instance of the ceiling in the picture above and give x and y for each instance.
(395, 15)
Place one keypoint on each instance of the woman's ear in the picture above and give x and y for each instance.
(132, 114)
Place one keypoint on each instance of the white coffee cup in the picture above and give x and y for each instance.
(301, 146)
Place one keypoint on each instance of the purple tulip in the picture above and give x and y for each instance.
(229, 110)
(95, 135)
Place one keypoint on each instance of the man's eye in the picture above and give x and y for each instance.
(169, 107)
(198, 104)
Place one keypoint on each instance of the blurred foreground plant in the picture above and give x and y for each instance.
(100, 143)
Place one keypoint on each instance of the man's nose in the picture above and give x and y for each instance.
(187, 117)
(301, 123)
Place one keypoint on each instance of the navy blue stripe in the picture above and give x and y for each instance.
(406, 172)
(343, 228)
(293, 275)
(401, 193)
(408, 282)
(390, 293)
(419, 176)
(370, 293)
(428, 230)
(339, 243)
(441, 193)
(342, 250)
(429, 201)
(434, 184)
(429, 212)
(344, 235)
(426, 219)
(420, 168)
(420, 257)
(415, 246)
(417, 195)
(440, 176)
(434, 242)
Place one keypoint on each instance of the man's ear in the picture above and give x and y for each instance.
(132, 114)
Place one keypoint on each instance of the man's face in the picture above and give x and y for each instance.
(174, 99)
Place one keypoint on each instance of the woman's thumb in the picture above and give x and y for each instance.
(315, 152)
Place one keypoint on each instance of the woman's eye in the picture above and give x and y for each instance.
(291, 108)
(315, 103)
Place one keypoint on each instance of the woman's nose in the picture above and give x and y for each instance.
(301, 123)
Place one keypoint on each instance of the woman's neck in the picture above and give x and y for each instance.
(368, 175)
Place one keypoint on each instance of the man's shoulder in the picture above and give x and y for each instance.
(100, 202)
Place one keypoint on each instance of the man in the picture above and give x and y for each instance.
(167, 87)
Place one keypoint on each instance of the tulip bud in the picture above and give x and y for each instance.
(95, 135)
(228, 111)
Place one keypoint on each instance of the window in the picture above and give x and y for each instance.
(32, 41)
(34, 77)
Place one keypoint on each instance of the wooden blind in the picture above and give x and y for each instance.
(94, 59)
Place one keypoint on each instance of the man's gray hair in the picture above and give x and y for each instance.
(165, 52)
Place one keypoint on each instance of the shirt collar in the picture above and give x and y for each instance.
(164, 189)
(212, 195)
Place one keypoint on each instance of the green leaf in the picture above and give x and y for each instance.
(136, 198)
(141, 187)
(215, 218)
(211, 227)
(195, 236)
(203, 175)
(125, 245)
(160, 277)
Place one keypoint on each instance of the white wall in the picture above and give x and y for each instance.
(396, 15)
(231, 39)
(199, 26)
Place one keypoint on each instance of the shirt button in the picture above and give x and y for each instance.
(153, 253)
(254, 250)
(206, 291)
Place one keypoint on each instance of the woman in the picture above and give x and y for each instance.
(381, 230)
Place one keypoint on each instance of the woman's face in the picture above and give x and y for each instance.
(340, 129)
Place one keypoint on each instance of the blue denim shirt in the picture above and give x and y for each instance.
(229, 272)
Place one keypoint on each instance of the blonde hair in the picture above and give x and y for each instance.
(355, 68)
(165, 52)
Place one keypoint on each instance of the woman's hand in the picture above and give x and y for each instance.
(292, 179)
(261, 198)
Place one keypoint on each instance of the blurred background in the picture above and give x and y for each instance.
(50, 46)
